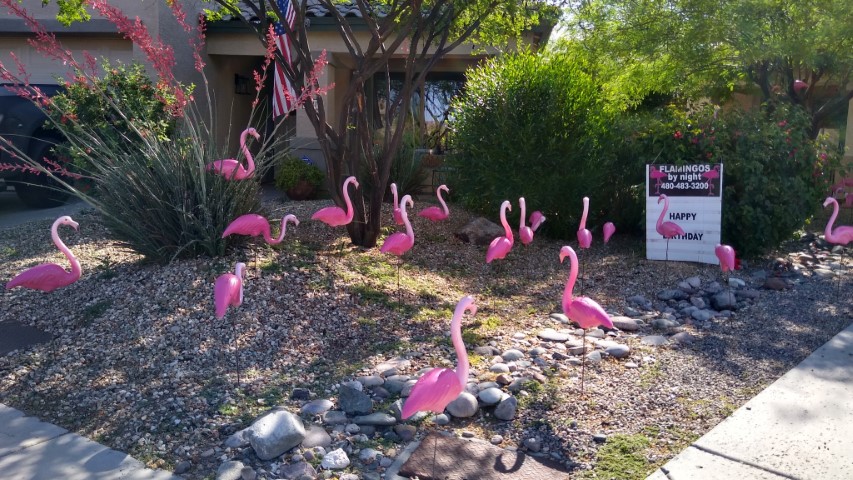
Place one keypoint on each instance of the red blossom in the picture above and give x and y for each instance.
(677, 134)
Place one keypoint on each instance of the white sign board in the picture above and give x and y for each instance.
(694, 194)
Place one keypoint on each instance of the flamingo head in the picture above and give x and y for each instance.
(254, 133)
(443, 188)
(661, 198)
(292, 219)
(66, 220)
(466, 304)
(394, 190)
(506, 205)
(354, 181)
(240, 270)
(566, 251)
(407, 200)
(828, 201)
(800, 85)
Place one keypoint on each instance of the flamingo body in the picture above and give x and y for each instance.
(839, 235)
(401, 242)
(524, 232)
(609, 230)
(398, 217)
(228, 290)
(254, 225)
(710, 175)
(800, 85)
(440, 386)
(582, 310)
(47, 277)
(335, 216)
(667, 229)
(434, 213)
(500, 246)
(726, 255)
(658, 176)
(230, 168)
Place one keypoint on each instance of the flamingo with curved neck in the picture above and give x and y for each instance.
(841, 235)
(335, 216)
(667, 229)
(434, 213)
(500, 246)
(584, 311)
(400, 243)
(253, 224)
(230, 168)
(524, 232)
(228, 290)
(536, 220)
(584, 235)
(47, 277)
(398, 219)
(440, 386)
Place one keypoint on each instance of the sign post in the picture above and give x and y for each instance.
(695, 204)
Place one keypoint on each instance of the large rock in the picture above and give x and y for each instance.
(353, 401)
(479, 231)
(292, 471)
(275, 433)
(724, 301)
(506, 409)
(464, 406)
(624, 323)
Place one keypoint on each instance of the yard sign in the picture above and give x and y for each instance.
(695, 204)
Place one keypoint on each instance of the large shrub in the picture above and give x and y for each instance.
(532, 125)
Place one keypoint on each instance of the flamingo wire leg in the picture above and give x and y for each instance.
(236, 350)
(583, 359)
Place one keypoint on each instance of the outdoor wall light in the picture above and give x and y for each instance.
(241, 84)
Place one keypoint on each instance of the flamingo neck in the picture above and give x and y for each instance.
(459, 346)
(523, 208)
(507, 230)
(284, 221)
(76, 271)
(585, 212)
(238, 272)
(662, 213)
(394, 192)
(441, 201)
(827, 232)
(250, 167)
(347, 200)
(409, 232)
(570, 283)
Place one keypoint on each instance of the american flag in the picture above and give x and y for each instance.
(284, 98)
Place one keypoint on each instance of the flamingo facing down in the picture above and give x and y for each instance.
(609, 230)
(536, 220)
(658, 176)
(50, 276)
(230, 168)
(710, 175)
(253, 224)
(524, 232)
(667, 229)
(726, 255)
(440, 386)
(335, 216)
(434, 213)
(582, 310)
(840, 235)
(398, 219)
(228, 290)
(500, 246)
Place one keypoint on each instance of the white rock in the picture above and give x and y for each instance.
(335, 460)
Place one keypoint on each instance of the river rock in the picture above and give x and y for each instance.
(464, 406)
(354, 402)
(506, 409)
(275, 433)
(624, 323)
(335, 460)
(480, 231)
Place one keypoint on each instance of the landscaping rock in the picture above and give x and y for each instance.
(375, 419)
(618, 351)
(297, 470)
(317, 407)
(654, 340)
(479, 231)
(335, 460)
(512, 355)
(724, 301)
(506, 409)
(464, 406)
(353, 401)
(553, 336)
(316, 436)
(275, 433)
(491, 396)
(230, 470)
(625, 323)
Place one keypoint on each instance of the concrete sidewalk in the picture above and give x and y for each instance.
(800, 427)
(34, 450)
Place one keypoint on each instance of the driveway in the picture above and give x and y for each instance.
(14, 212)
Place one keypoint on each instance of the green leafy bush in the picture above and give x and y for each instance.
(291, 170)
(532, 125)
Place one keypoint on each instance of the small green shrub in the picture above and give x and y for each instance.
(623, 457)
(291, 170)
(532, 125)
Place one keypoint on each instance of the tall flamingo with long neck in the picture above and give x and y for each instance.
(841, 235)
(399, 243)
(500, 246)
(582, 310)
(398, 218)
(440, 386)
(47, 277)
(434, 213)
(584, 237)
(667, 229)
(335, 216)
(524, 232)
(230, 168)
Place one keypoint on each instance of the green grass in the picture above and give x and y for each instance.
(651, 375)
(622, 457)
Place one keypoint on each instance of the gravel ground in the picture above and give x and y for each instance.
(140, 363)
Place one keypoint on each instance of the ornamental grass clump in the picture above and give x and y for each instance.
(143, 146)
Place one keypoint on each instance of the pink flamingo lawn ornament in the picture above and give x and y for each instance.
(726, 255)
(399, 243)
(253, 225)
(434, 213)
(658, 176)
(230, 168)
(524, 232)
(500, 246)
(800, 85)
(440, 386)
(47, 277)
(609, 229)
(536, 220)
(710, 175)
(584, 238)
(228, 292)
(335, 216)
(840, 235)
(398, 218)
(582, 310)
(667, 229)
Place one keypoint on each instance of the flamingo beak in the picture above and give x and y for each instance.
(74, 224)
